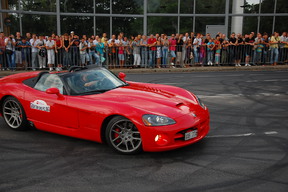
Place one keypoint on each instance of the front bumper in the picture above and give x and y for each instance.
(175, 134)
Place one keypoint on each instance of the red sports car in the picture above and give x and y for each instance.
(94, 104)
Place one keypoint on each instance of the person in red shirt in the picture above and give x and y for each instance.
(152, 51)
(172, 48)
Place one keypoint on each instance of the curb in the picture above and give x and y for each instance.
(184, 70)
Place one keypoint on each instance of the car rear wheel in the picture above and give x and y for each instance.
(123, 136)
(14, 114)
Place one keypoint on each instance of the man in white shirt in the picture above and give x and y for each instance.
(50, 46)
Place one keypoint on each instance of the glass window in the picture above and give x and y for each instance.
(268, 6)
(281, 26)
(80, 25)
(127, 7)
(251, 6)
(266, 24)
(11, 4)
(102, 25)
(282, 6)
(38, 5)
(186, 24)
(39, 24)
(102, 6)
(166, 25)
(202, 22)
(128, 25)
(78, 6)
(12, 23)
(250, 24)
(187, 6)
(47, 81)
(162, 6)
(210, 6)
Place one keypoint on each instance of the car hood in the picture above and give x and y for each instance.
(149, 100)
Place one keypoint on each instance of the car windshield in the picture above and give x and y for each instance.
(92, 81)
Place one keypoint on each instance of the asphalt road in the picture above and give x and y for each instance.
(246, 149)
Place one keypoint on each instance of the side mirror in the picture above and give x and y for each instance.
(122, 76)
(54, 90)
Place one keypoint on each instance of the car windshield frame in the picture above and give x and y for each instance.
(75, 88)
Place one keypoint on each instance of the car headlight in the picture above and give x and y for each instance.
(201, 103)
(156, 120)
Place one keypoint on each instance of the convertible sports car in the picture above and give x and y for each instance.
(92, 103)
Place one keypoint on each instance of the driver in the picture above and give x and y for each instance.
(88, 80)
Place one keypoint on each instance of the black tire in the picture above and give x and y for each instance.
(123, 136)
(14, 114)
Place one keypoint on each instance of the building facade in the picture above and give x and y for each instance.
(93, 17)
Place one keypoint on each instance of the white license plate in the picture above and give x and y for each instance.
(191, 135)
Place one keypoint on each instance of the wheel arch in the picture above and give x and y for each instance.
(104, 125)
(2, 100)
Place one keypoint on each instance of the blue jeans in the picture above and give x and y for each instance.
(152, 55)
(274, 55)
(66, 58)
(96, 57)
(144, 57)
(210, 55)
(164, 56)
(11, 61)
(196, 55)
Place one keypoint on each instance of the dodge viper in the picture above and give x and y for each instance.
(94, 104)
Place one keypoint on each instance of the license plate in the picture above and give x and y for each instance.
(191, 135)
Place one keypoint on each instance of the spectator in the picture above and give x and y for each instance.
(232, 49)
(25, 45)
(249, 43)
(274, 45)
(179, 48)
(165, 47)
(144, 54)
(197, 43)
(42, 53)
(75, 50)
(259, 46)
(121, 57)
(172, 49)
(92, 52)
(34, 61)
(2, 49)
(58, 53)
(66, 43)
(238, 49)
(9, 50)
(100, 51)
(210, 49)
(50, 47)
(18, 51)
(152, 51)
(158, 52)
(112, 53)
(136, 51)
(266, 47)
(283, 47)
(189, 53)
(82, 50)
(224, 51)
(202, 51)
(217, 50)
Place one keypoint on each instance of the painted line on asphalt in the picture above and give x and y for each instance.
(242, 135)
(241, 95)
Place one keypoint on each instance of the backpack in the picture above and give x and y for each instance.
(43, 52)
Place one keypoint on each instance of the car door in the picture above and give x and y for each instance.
(49, 109)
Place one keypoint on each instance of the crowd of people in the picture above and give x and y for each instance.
(161, 51)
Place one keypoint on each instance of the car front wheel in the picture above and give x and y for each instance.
(123, 136)
(14, 114)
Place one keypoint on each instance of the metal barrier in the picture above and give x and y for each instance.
(123, 57)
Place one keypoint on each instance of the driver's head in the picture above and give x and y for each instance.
(87, 77)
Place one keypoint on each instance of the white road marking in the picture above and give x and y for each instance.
(241, 95)
(267, 80)
(241, 135)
